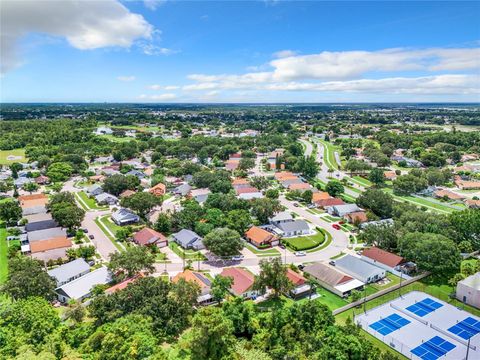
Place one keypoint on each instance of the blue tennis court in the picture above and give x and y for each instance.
(433, 349)
(424, 307)
(389, 324)
(466, 328)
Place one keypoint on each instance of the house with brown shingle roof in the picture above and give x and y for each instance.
(382, 258)
(331, 201)
(150, 237)
(126, 193)
(390, 175)
(443, 193)
(201, 280)
(467, 185)
(300, 186)
(242, 282)
(357, 217)
(300, 288)
(158, 190)
(261, 238)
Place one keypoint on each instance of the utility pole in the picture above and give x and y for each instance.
(468, 348)
(365, 299)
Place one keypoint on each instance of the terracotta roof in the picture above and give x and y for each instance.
(282, 175)
(32, 197)
(148, 236)
(49, 244)
(299, 186)
(197, 278)
(246, 190)
(359, 216)
(321, 195)
(259, 236)
(295, 277)
(472, 203)
(239, 181)
(127, 193)
(242, 279)
(390, 175)
(449, 194)
(122, 285)
(159, 187)
(33, 202)
(468, 184)
(382, 256)
(329, 202)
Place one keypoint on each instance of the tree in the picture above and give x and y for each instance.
(272, 193)
(211, 335)
(223, 242)
(409, 184)
(334, 188)
(220, 287)
(239, 220)
(259, 182)
(308, 166)
(273, 274)
(116, 184)
(10, 212)
(379, 202)
(163, 223)
(30, 187)
(265, 208)
(383, 236)
(59, 171)
(246, 163)
(432, 252)
(466, 226)
(132, 261)
(141, 202)
(377, 176)
(67, 215)
(307, 196)
(15, 168)
(27, 278)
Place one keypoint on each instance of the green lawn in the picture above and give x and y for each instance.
(304, 242)
(187, 254)
(361, 181)
(3, 254)
(422, 202)
(394, 280)
(329, 154)
(90, 202)
(104, 223)
(330, 218)
(15, 152)
(261, 253)
(117, 139)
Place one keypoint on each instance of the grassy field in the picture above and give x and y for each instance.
(15, 152)
(187, 254)
(361, 181)
(329, 154)
(117, 139)
(3, 253)
(423, 202)
(262, 253)
(305, 242)
(89, 202)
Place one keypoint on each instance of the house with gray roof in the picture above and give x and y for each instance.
(293, 228)
(41, 225)
(44, 234)
(39, 209)
(81, 287)
(140, 175)
(342, 210)
(287, 183)
(95, 190)
(124, 217)
(188, 239)
(281, 217)
(106, 199)
(69, 271)
(182, 190)
(359, 269)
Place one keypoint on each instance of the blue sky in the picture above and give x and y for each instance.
(178, 51)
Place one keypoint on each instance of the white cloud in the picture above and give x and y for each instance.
(158, 97)
(284, 53)
(126, 78)
(160, 87)
(153, 4)
(84, 24)
(149, 48)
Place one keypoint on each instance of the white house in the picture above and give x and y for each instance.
(468, 290)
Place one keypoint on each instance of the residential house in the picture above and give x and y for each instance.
(240, 183)
(285, 175)
(200, 195)
(468, 290)
(22, 181)
(127, 193)
(382, 222)
(42, 180)
(261, 238)
(319, 196)
(300, 287)
(94, 190)
(243, 281)
(359, 269)
(287, 182)
(158, 190)
(333, 279)
(248, 193)
(188, 239)
(69, 271)
(48, 244)
(182, 190)
(382, 258)
(124, 217)
(232, 164)
(300, 187)
(342, 210)
(357, 217)
(149, 237)
(472, 204)
(106, 199)
(293, 228)
(281, 217)
(81, 288)
(450, 195)
(96, 178)
(467, 185)
(331, 201)
(104, 130)
(122, 285)
(390, 175)
(138, 174)
(201, 280)
(41, 224)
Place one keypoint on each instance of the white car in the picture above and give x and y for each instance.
(237, 257)
(300, 253)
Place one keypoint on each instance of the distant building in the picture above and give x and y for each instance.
(158, 190)
(95, 190)
(468, 290)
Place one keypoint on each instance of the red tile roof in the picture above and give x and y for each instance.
(246, 190)
(259, 236)
(384, 257)
(242, 279)
(329, 202)
(295, 278)
(148, 236)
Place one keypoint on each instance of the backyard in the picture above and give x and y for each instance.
(19, 155)
(304, 242)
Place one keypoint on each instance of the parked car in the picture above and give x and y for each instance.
(301, 267)
(237, 257)
(332, 262)
(281, 246)
(341, 222)
(336, 226)
(300, 253)
(91, 237)
(296, 204)
(85, 230)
